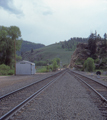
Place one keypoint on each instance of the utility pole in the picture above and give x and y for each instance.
(14, 57)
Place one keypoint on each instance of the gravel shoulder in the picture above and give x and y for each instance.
(11, 83)
(101, 78)
(65, 99)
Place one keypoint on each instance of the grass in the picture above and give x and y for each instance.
(41, 69)
(49, 53)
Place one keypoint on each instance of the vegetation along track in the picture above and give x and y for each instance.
(99, 88)
(14, 101)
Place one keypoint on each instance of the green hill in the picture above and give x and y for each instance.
(62, 50)
(49, 53)
(28, 46)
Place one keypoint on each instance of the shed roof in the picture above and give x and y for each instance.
(24, 61)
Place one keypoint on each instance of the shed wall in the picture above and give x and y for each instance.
(23, 69)
(33, 71)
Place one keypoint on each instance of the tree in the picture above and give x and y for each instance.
(89, 65)
(14, 32)
(105, 37)
(18, 58)
(54, 66)
(32, 50)
(92, 44)
(58, 61)
(63, 46)
(7, 37)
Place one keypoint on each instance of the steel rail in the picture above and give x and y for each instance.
(22, 104)
(102, 97)
(13, 92)
(92, 89)
(88, 78)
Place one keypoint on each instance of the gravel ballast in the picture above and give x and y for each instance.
(99, 78)
(11, 83)
(65, 99)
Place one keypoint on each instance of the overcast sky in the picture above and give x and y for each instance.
(50, 21)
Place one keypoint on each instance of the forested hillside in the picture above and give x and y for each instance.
(28, 46)
(71, 44)
(94, 51)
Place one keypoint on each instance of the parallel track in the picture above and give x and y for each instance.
(98, 88)
(12, 102)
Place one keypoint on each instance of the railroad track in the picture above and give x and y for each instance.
(99, 88)
(16, 100)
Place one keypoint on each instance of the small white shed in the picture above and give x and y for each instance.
(25, 68)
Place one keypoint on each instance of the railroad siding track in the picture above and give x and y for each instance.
(9, 101)
(98, 88)
(30, 85)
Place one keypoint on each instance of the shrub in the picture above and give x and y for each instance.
(5, 70)
(47, 67)
(97, 61)
(40, 63)
(42, 70)
(85, 64)
(54, 66)
(50, 67)
(10, 72)
(89, 65)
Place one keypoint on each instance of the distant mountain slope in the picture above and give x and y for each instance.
(49, 53)
(28, 46)
(62, 50)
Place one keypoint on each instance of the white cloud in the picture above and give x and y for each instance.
(49, 21)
